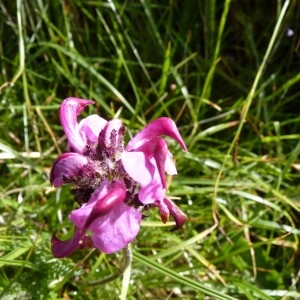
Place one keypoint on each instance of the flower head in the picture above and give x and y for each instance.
(112, 184)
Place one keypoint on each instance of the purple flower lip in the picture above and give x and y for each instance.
(102, 207)
(66, 165)
(112, 223)
(113, 183)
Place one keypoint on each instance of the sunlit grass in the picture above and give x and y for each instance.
(227, 73)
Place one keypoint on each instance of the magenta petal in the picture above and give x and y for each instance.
(152, 193)
(90, 128)
(66, 165)
(80, 216)
(163, 211)
(68, 112)
(178, 215)
(115, 196)
(111, 131)
(160, 126)
(102, 201)
(138, 167)
(145, 171)
(116, 230)
(113, 224)
(157, 148)
(64, 248)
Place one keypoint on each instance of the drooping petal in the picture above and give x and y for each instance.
(163, 211)
(178, 215)
(64, 248)
(160, 126)
(66, 165)
(117, 229)
(90, 128)
(68, 112)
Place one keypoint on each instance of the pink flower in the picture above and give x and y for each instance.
(113, 184)
(113, 223)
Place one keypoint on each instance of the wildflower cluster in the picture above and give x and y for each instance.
(113, 184)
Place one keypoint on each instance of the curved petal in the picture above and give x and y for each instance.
(66, 165)
(160, 126)
(117, 229)
(163, 211)
(113, 224)
(90, 128)
(178, 215)
(167, 207)
(64, 248)
(68, 112)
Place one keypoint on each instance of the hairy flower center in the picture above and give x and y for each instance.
(104, 163)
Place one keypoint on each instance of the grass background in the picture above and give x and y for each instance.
(227, 72)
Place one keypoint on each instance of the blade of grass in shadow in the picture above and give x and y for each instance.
(281, 89)
(152, 24)
(121, 48)
(81, 86)
(74, 55)
(131, 44)
(210, 24)
(21, 44)
(165, 70)
(174, 70)
(251, 94)
(179, 278)
(213, 129)
(186, 95)
(209, 78)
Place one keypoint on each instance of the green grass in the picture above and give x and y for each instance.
(227, 73)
